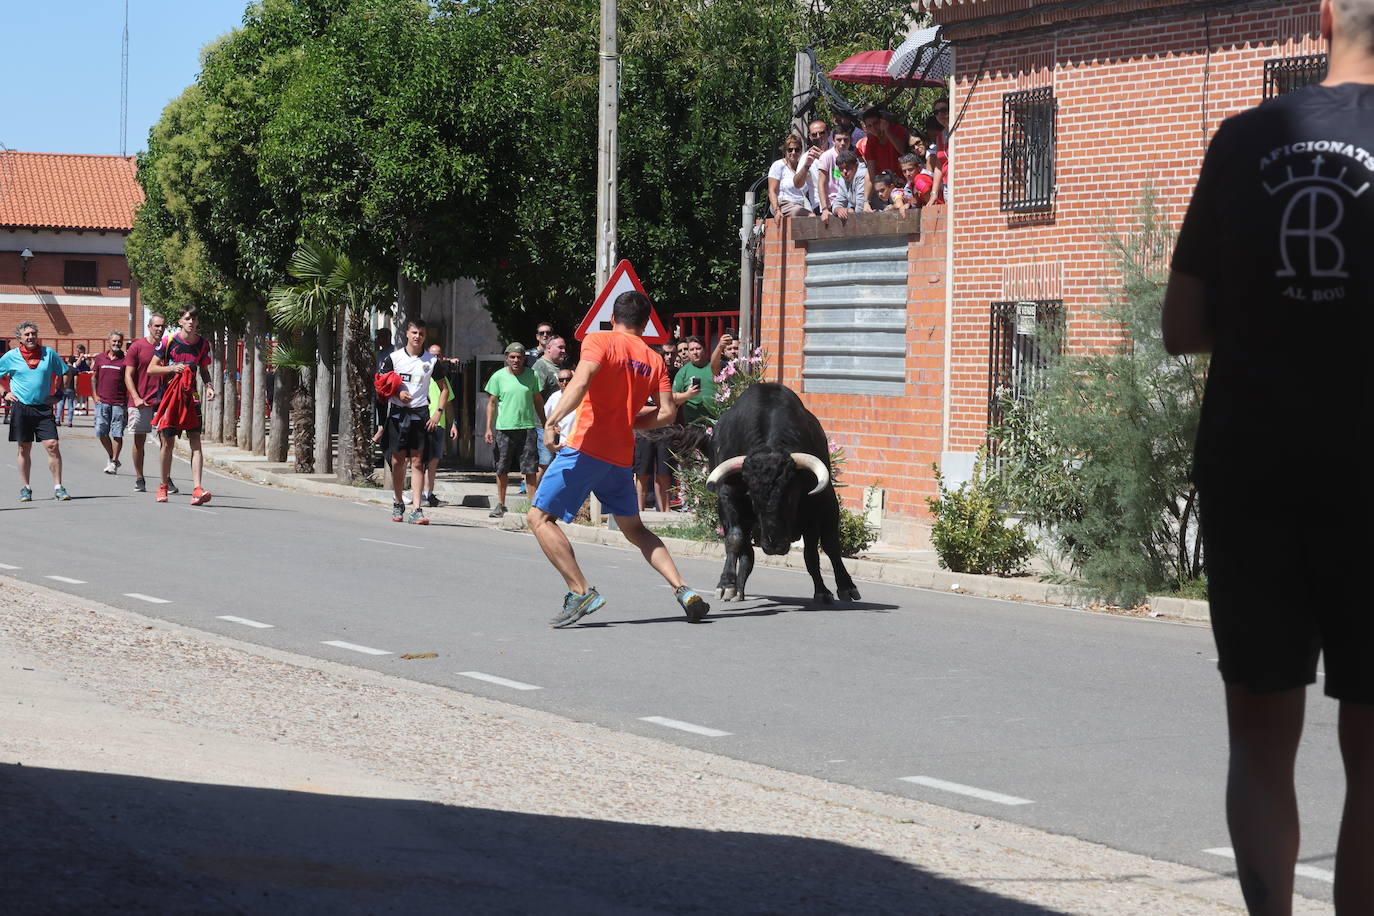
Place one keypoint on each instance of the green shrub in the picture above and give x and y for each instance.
(856, 534)
(971, 534)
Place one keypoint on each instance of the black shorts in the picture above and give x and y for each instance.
(405, 431)
(1278, 603)
(516, 448)
(29, 423)
(652, 457)
(172, 433)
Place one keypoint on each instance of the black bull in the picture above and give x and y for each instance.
(772, 478)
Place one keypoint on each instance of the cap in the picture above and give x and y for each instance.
(516, 347)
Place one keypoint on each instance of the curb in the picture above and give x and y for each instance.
(909, 575)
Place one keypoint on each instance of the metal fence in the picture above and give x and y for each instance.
(1028, 139)
(1288, 74)
(1024, 338)
(706, 325)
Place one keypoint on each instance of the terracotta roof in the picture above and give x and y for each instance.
(65, 191)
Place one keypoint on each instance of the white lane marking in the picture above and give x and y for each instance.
(246, 622)
(973, 791)
(391, 543)
(493, 679)
(1304, 871)
(148, 598)
(354, 647)
(198, 509)
(67, 580)
(8, 566)
(367, 505)
(685, 726)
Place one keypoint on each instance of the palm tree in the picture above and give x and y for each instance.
(293, 358)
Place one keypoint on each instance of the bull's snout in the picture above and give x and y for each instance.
(775, 548)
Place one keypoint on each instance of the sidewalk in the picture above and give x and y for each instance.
(470, 494)
(147, 767)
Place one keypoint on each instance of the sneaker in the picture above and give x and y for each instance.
(140, 485)
(406, 498)
(199, 497)
(60, 494)
(417, 517)
(398, 512)
(497, 511)
(171, 487)
(693, 604)
(521, 491)
(575, 607)
(162, 492)
(25, 495)
(111, 467)
(433, 501)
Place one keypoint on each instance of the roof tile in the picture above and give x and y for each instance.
(67, 191)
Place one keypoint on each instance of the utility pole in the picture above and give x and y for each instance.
(124, 87)
(608, 161)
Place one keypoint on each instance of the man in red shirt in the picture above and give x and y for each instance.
(617, 374)
(110, 398)
(884, 144)
(144, 391)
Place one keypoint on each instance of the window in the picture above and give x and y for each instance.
(1024, 338)
(1288, 74)
(79, 273)
(1028, 120)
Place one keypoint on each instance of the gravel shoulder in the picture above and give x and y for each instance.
(150, 767)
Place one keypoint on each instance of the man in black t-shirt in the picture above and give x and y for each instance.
(1273, 276)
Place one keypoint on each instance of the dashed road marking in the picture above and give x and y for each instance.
(685, 726)
(391, 543)
(354, 647)
(200, 509)
(67, 580)
(501, 681)
(148, 598)
(971, 791)
(8, 566)
(257, 624)
(1305, 871)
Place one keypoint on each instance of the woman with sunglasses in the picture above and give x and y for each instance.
(791, 187)
(937, 154)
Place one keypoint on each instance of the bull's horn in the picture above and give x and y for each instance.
(724, 469)
(815, 466)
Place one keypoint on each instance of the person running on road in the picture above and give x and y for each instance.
(107, 370)
(28, 371)
(409, 422)
(1271, 269)
(617, 373)
(184, 351)
(144, 394)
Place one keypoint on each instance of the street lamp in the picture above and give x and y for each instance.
(25, 257)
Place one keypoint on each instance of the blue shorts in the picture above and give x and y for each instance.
(573, 475)
(545, 453)
(109, 420)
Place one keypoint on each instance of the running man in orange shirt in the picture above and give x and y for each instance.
(617, 374)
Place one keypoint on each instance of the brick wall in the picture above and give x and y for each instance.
(889, 441)
(1138, 102)
(63, 313)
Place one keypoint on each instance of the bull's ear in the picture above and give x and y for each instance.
(725, 469)
(808, 462)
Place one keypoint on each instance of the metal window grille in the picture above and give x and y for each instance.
(1028, 138)
(1024, 338)
(1288, 74)
(79, 273)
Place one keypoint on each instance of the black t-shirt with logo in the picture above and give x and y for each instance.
(1281, 232)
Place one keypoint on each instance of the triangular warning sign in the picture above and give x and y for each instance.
(623, 279)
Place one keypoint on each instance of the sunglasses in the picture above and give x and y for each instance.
(942, 111)
(818, 134)
(564, 381)
(542, 333)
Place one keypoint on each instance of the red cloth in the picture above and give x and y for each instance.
(32, 357)
(387, 384)
(178, 407)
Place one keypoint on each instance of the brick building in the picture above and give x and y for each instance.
(1064, 113)
(63, 222)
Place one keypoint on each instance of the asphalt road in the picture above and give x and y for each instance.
(1105, 728)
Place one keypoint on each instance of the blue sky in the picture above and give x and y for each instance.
(60, 67)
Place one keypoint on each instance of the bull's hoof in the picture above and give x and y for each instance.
(823, 597)
(725, 594)
(849, 594)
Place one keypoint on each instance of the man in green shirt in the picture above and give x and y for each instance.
(696, 376)
(515, 414)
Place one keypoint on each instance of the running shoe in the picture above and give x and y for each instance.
(433, 501)
(407, 497)
(199, 497)
(521, 491)
(693, 604)
(417, 517)
(398, 512)
(25, 495)
(60, 494)
(162, 492)
(497, 511)
(110, 467)
(140, 485)
(171, 487)
(575, 607)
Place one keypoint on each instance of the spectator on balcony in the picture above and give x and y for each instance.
(791, 189)
(920, 181)
(886, 142)
(843, 119)
(887, 188)
(818, 132)
(827, 172)
(852, 190)
(938, 152)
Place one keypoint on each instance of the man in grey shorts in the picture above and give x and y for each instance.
(144, 393)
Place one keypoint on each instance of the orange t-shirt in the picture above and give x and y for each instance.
(630, 372)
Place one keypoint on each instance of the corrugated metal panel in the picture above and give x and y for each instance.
(856, 316)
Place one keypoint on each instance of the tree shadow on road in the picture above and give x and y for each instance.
(77, 841)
